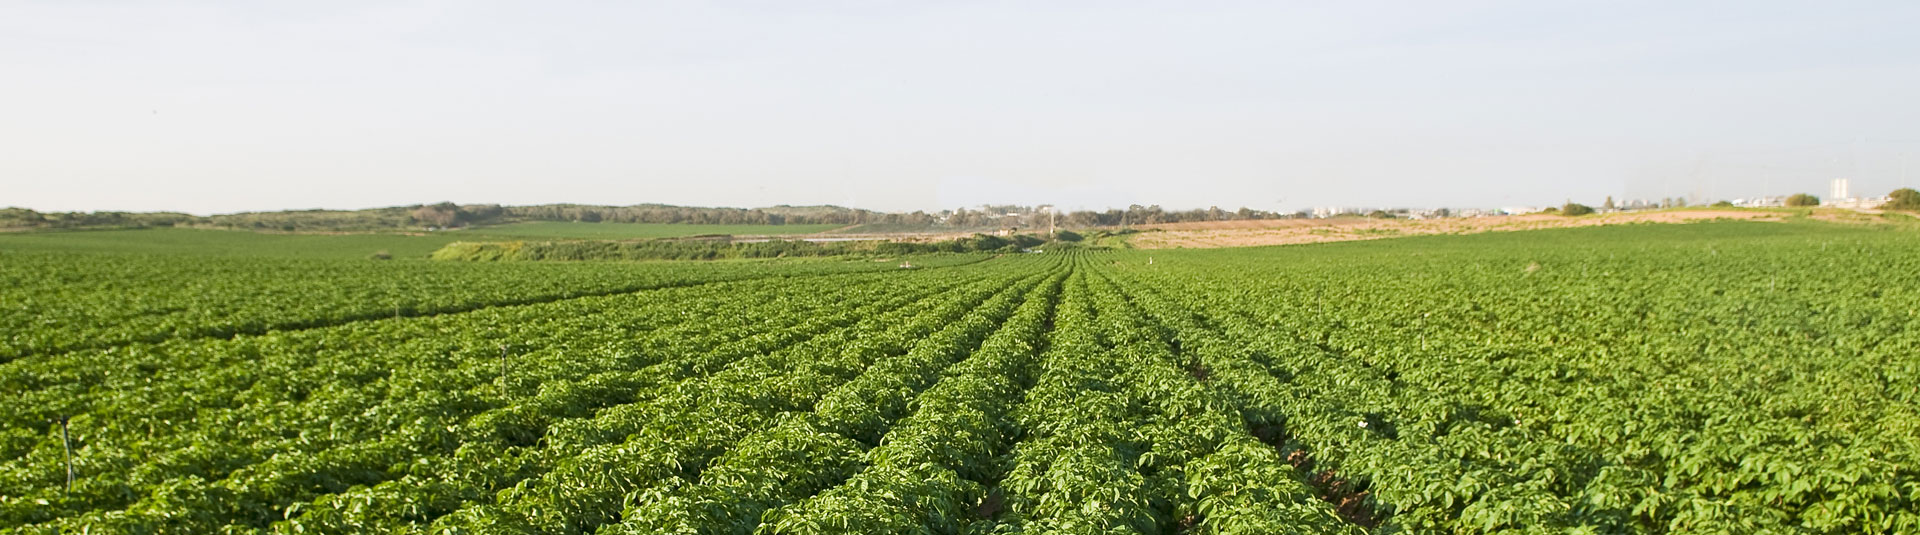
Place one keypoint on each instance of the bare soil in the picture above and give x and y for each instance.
(1209, 234)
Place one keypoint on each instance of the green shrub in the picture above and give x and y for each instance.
(1574, 208)
(1802, 199)
(1902, 199)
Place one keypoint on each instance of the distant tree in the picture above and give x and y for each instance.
(1723, 204)
(1551, 210)
(442, 215)
(983, 242)
(1379, 214)
(1442, 212)
(482, 212)
(1802, 199)
(962, 218)
(21, 217)
(1902, 199)
(1067, 235)
(1574, 208)
(1609, 204)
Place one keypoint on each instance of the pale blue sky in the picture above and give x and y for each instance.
(227, 106)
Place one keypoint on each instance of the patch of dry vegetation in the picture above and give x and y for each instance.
(1208, 234)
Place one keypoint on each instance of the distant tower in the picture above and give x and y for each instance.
(1839, 190)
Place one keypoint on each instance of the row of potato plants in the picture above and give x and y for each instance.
(806, 453)
(1114, 435)
(69, 383)
(1074, 467)
(1679, 383)
(56, 302)
(596, 469)
(348, 454)
(1320, 410)
(521, 430)
(245, 411)
(1228, 481)
(497, 446)
(1234, 482)
(489, 460)
(929, 473)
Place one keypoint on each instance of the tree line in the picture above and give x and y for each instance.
(446, 215)
(722, 249)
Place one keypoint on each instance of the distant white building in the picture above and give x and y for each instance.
(1856, 203)
(1839, 195)
(1771, 201)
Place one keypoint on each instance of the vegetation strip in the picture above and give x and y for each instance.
(376, 300)
(484, 363)
(927, 471)
(1736, 377)
(809, 452)
(594, 484)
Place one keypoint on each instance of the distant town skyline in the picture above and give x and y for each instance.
(221, 107)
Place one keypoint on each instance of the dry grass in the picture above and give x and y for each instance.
(1209, 234)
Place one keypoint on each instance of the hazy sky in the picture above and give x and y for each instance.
(231, 106)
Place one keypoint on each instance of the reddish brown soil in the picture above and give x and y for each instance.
(991, 505)
(1351, 503)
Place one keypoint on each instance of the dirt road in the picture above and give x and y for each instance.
(1205, 234)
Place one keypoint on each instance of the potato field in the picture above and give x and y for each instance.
(1729, 377)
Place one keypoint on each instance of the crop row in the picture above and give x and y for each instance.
(55, 302)
(602, 468)
(1122, 435)
(1651, 386)
(1715, 378)
(372, 405)
(929, 472)
(810, 452)
(304, 383)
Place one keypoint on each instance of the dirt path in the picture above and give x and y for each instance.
(1207, 234)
